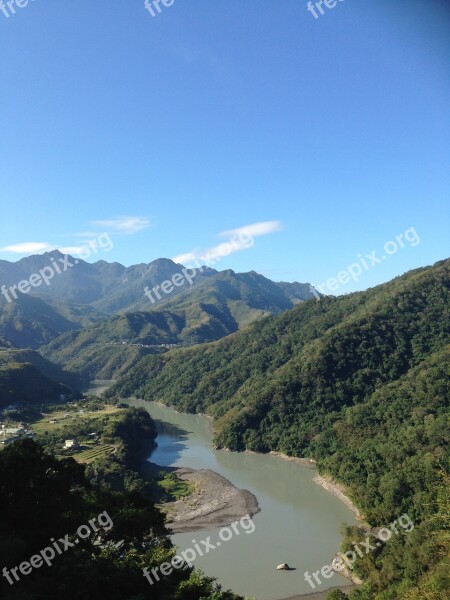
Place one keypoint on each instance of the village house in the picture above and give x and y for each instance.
(69, 444)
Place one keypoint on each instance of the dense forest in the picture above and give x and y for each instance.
(360, 384)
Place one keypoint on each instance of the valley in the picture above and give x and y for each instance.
(327, 380)
(225, 300)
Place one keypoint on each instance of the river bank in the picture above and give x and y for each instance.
(303, 462)
(321, 595)
(328, 483)
(325, 481)
(338, 490)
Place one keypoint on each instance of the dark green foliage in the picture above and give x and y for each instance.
(336, 595)
(137, 431)
(25, 376)
(43, 498)
(30, 322)
(22, 382)
(72, 321)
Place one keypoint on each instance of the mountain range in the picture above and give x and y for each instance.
(95, 321)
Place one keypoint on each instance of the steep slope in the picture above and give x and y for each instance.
(127, 292)
(71, 320)
(111, 288)
(107, 350)
(245, 296)
(392, 452)
(77, 282)
(30, 322)
(105, 361)
(46, 367)
(27, 377)
(22, 382)
(272, 384)
(108, 287)
(296, 291)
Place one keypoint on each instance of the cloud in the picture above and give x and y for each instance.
(255, 230)
(185, 258)
(28, 248)
(72, 250)
(239, 239)
(225, 249)
(121, 225)
(40, 247)
(125, 225)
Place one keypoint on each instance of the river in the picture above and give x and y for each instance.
(98, 386)
(299, 522)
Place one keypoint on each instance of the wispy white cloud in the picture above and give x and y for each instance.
(255, 229)
(72, 250)
(239, 239)
(125, 225)
(41, 247)
(27, 248)
(185, 258)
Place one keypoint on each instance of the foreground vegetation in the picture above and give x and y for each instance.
(43, 496)
(108, 564)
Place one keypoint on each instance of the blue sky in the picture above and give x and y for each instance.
(328, 136)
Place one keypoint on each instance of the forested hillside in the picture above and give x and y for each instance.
(359, 383)
(110, 288)
(29, 322)
(25, 376)
(23, 382)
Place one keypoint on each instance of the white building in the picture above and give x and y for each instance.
(70, 444)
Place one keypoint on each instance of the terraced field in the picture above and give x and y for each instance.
(87, 456)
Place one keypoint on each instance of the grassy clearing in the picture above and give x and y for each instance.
(176, 487)
(60, 421)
